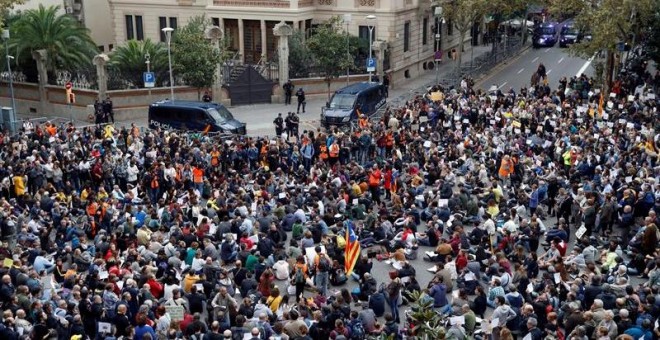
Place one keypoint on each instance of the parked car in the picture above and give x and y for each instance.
(193, 116)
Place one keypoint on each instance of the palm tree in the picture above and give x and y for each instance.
(67, 42)
(130, 60)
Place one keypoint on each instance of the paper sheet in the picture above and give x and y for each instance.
(457, 320)
(105, 327)
(557, 277)
(469, 276)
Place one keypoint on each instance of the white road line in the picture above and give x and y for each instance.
(535, 59)
(548, 72)
(585, 66)
(547, 49)
(501, 86)
(560, 60)
(522, 69)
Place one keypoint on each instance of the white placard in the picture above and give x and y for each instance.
(466, 121)
(455, 294)
(457, 320)
(282, 195)
(580, 120)
(422, 129)
(427, 144)
(311, 254)
(606, 116)
(610, 124)
(650, 96)
(200, 287)
(356, 201)
(253, 208)
(631, 98)
(630, 125)
(495, 322)
(443, 202)
(517, 131)
(120, 285)
(612, 95)
(492, 122)
(105, 327)
(580, 232)
(469, 276)
(528, 336)
(176, 312)
(596, 136)
(629, 179)
(622, 121)
(620, 106)
(104, 275)
(557, 277)
(610, 105)
(530, 288)
(528, 142)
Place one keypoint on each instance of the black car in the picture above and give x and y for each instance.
(569, 35)
(545, 35)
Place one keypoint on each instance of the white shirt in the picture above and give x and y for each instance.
(132, 172)
(281, 270)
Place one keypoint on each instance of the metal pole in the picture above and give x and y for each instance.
(169, 58)
(148, 62)
(5, 34)
(438, 38)
(371, 30)
(471, 50)
(348, 53)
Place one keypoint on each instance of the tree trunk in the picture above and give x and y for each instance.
(328, 82)
(461, 44)
(609, 69)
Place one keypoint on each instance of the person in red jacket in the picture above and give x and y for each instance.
(387, 179)
(155, 287)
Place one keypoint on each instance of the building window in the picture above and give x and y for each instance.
(425, 31)
(450, 27)
(111, 47)
(406, 36)
(134, 27)
(130, 32)
(216, 21)
(363, 33)
(162, 23)
(101, 48)
(139, 29)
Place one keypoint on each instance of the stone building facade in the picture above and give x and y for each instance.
(406, 26)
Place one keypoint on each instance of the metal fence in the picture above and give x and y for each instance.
(480, 66)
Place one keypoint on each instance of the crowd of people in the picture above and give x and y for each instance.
(537, 210)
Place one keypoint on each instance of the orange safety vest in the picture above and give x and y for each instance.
(506, 168)
(324, 152)
(363, 122)
(198, 175)
(334, 151)
(374, 179)
(215, 158)
(389, 140)
(154, 183)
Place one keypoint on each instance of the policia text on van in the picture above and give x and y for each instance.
(345, 105)
(193, 116)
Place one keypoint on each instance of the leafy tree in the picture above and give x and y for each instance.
(463, 15)
(130, 60)
(610, 22)
(194, 57)
(300, 57)
(5, 6)
(328, 48)
(426, 320)
(654, 38)
(67, 42)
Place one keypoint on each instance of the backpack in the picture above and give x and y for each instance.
(357, 330)
(299, 276)
(324, 264)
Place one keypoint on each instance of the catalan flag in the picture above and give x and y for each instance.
(352, 251)
(600, 104)
(206, 129)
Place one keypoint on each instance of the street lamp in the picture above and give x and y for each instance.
(347, 20)
(435, 57)
(147, 60)
(168, 34)
(5, 37)
(370, 18)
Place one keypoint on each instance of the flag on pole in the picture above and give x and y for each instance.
(352, 251)
(600, 104)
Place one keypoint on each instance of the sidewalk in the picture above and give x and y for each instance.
(259, 117)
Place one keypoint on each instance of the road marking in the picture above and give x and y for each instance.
(501, 86)
(535, 59)
(522, 69)
(548, 72)
(585, 66)
(560, 60)
(547, 50)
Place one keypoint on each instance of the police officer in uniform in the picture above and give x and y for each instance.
(301, 100)
(279, 125)
(295, 120)
(288, 92)
(289, 124)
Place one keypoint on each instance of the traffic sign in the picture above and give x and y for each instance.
(438, 55)
(149, 79)
(371, 64)
(68, 86)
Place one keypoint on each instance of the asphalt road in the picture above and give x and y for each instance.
(517, 73)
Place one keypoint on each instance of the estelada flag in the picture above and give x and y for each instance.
(352, 250)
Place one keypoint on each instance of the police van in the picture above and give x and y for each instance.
(193, 116)
(342, 109)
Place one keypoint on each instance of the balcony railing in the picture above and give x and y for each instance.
(252, 3)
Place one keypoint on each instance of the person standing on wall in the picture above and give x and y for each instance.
(288, 92)
(301, 100)
(108, 112)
